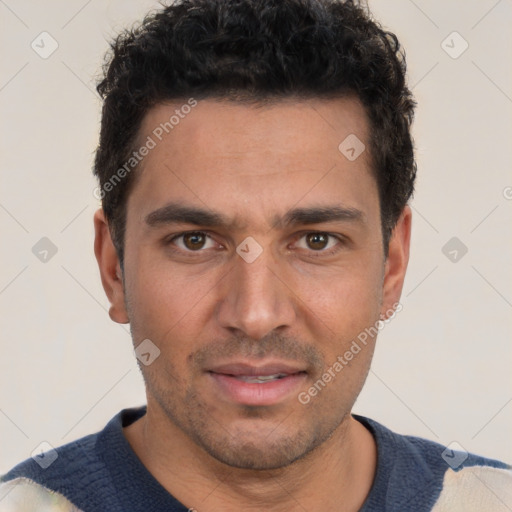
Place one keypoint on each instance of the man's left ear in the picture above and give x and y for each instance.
(396, 262)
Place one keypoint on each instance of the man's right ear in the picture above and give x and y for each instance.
(110, 268)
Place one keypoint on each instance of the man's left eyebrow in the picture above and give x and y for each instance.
(319, 215)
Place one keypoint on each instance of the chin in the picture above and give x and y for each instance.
(256, 449)
(256, 457)
(249, 438)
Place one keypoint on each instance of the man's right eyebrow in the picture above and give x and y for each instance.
(175, 213)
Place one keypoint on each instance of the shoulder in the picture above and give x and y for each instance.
(74, 476)
(49, 480)
(23, 494)
(470, 483)
(53, 464)
(420, 474)
(476, 488)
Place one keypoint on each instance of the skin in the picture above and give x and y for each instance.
(295, 302)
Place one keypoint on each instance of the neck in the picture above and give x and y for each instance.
(335, 476)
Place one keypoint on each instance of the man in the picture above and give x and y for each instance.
(255, 164)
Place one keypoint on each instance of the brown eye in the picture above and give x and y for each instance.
(194, 241)
(319, 244)
(317, 241)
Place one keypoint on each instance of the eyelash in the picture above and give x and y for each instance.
(315, 254)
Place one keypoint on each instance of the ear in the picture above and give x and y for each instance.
(110, 268)
(396, 263)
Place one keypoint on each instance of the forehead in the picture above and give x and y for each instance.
(254, 159)
(238, 128)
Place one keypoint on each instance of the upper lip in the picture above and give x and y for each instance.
(271, 368)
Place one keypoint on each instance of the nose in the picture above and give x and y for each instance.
(257, 298)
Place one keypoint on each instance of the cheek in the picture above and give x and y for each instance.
(346, 301)
(165, 302)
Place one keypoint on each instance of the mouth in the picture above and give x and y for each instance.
(259, 379)
(267, 384)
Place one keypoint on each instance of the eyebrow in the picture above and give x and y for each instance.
(176, 213)
(319, 215)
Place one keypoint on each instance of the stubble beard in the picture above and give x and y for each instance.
(268, 442)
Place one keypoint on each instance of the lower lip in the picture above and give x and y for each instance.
(266, 393)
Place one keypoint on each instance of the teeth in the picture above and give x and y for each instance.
(258, 379)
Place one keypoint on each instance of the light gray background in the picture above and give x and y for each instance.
(441, 368)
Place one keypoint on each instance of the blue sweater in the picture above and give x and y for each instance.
(101, 472)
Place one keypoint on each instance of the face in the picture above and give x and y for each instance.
(253, 260)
